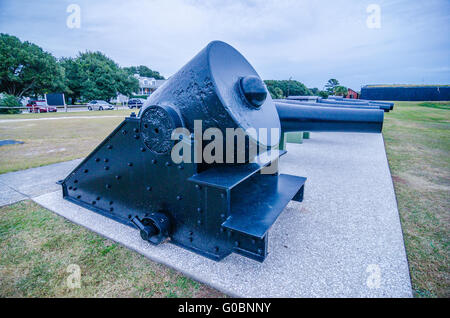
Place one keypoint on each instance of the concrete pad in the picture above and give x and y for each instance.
(344, 240)
(9, 195)
(36, 181)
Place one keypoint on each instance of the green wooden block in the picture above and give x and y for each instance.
(294, 137)
(290, 137)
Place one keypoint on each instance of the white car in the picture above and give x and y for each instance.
(99, 105)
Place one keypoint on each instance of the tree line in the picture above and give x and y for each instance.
(27, 70)
(284, 88)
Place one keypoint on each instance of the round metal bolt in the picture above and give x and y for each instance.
(199, 210)
(199, 222)
(236, 243)
(136, 130)
(179, 197)
(109, 147)
(136, 136)
(78, 196)
(108, 186)
(111, 209)
(97, 159)
(167, 163)
(149, 188)
(124, 132)
(106, 168)
(130, 164)
(75, 181)
(197, 187)
(106, 160)
(154, 161)
(118, 177)
(142, 149)
(86, 170)
(254, 90)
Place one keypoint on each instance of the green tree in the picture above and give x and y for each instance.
(143, 70)
(92, 75)
(288, 87)
(7, 100)
(277, 93)
(323, 94)
(315, 91)
(331, 85)
(340, 90)
(27, 69)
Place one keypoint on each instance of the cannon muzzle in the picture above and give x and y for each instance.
(295, 117)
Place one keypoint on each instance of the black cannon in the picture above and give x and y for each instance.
(136, 177)
(387, 105)
(339, 103)
(320, 104)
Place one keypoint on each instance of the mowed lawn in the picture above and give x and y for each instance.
(36, 246)
(53, 137)
(417, 138)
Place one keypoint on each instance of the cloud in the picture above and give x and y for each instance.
(307, 40)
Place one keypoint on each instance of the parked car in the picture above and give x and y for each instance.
(99, 105)
(40, 106)
(135, 103)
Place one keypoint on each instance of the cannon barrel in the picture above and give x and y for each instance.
(296, 117)
(358, 101)
(326, 105)
(384, 107)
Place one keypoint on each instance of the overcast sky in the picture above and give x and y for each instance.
(310, 41)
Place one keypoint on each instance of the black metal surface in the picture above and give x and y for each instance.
(211, 209)
(337, 105)
(296, 117)
(384, 107)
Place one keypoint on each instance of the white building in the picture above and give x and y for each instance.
(148, 85)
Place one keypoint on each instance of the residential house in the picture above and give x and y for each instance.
(148, 85)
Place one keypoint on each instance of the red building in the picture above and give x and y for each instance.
(352, 94)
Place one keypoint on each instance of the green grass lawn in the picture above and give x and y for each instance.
(121, 112)
(417, 138)
(51, 141)
(36, 245)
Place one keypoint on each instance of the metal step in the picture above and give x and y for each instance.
(256, 207)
